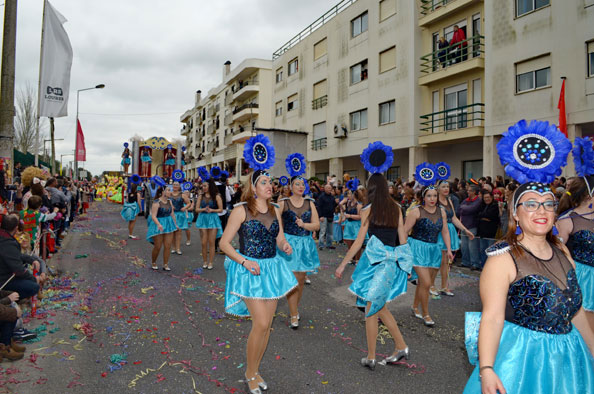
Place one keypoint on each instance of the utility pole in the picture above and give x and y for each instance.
(52, 130)
(7, 80)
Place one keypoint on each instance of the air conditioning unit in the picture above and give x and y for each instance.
(340, 131)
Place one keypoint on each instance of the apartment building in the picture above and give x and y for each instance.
(349, 79)
(531, 45)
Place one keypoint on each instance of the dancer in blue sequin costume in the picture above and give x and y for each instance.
(382, 272)
(126, 161)
(131, 208)
(300, 218)
(350, 207)
(256, 275)
(161, 225)
(181, 204)
(208, 206)
(532, 336)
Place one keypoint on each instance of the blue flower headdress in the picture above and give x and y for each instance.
(136, 179)
(426, 175)
(307, 190)
(353, 184)
(224, 175)
(158, 181)
(178, 176)
(443, 171)
(215, 172)
(169, 146)
(283, 180)
(377, 157)
(186, 186)
(583, 158)
(125, 145)
(295, 165)
(183, 148)
(259, 154)
(203, 173)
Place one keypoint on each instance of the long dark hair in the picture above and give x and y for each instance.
(576, 193)
(385, 212)
(158, 193)
(213, 190)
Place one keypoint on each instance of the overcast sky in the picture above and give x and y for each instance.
(152, 56)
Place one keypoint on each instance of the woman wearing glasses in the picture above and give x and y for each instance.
(533, 335)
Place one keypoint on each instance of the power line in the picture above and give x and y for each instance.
(143, 114)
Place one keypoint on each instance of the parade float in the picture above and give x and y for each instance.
(153, 156)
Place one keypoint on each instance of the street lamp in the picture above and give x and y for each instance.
(100, 86)
(62, 163)
(44, 150)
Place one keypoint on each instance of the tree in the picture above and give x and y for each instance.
(25, 121)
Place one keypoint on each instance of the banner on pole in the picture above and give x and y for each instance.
(81, 151)
(56, 62)
(562, 113)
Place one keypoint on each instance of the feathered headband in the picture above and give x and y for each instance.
(377, 157)
(443, 172)
(203, 173)
(215, 172)
(178, 176)
(583, 159)
(295, 165)
(426, 175)
(353, 184)
(259, 154)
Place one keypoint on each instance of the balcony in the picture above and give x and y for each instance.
(228, 140)
(210, 111)
(435, 10)
(246, 89)
(228, 99)
(465, 122)
(228, 119)
(210, 129)
(462, 57)
(242, 135)
(319, 102)
(318, 144)
(245, 112)
(231, 151)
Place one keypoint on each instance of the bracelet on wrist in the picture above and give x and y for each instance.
(485, 367)
(244, 260)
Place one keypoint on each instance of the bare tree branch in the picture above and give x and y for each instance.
(25, 121)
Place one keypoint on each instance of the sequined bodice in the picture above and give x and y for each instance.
(178, 203)
(428, 226)
(351, 210)
(210, 203)
(448, 210)
(164, 210)
(581, 240)
(255, 239)
(538, 303)
(289, 217)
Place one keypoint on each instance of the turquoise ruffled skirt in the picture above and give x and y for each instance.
(454, 239)
(426, 254)
(337, 232)
(166, 222)
(126, 161)
(351, 229)
(585, 277)
(129, 211)
(210, 220)
(305, 254)
(534, 362)
(181, 218)
(170, 162)
(275, 281)
(146, 159)
(378, 283)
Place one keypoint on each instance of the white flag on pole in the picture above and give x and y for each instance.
(56, 61)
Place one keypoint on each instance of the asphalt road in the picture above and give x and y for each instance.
(109, 324)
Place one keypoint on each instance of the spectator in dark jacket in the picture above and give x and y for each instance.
(9, 314)
(467, 213)
(442, 55)
(325, 204)
(12, 261)
(488, 224)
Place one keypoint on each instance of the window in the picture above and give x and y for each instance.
(387, 60)
(393, 174)
(525, 6)
(359, 25)
(387, 9)
(359, 120)
(292, 102)
(387, 112)
(319, 89)
(359, 72)
(456, 101)
(278, 109)
(533, 74)
(472, 169)
(320, 48)
(591, 59)
(319, 131)
(279, 75)
(293, 66)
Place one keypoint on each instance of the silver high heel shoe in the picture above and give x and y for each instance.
(263, 385)
(252, 391)
(394, 358)
(294, 322)
(368, 363)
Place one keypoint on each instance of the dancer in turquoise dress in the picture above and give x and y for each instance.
(256, 275)
(161, 226)
(533, 335)
(181, 204)
(350, 207)
(381, 274)
(131, 208)
(126, 161)
(146, 159)
(426, 221)
(300, 218)
(208, 206)
(576, 223)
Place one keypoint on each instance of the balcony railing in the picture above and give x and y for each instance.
(229, 99)
(453, 119)
(319, 102)
(228, 119)
(242, 107)
(318, 144)
(428, 6)
(243, 84)
(459, 52)
(314, 26)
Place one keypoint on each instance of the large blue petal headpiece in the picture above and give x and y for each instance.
(583, 156)
(158, 181)
(533, 152)
(136, 179)
(283, 180)
(259, 153)
(443, 171)
(426, 174)
(215, 172)
(203, 173)
(353, 184)
(125, 145)
(377, 157)
(295, 164)
(178, 176)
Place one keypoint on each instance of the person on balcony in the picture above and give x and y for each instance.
(442, 55)
(458, 46)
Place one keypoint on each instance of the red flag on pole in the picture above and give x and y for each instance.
(81, 152)
(561, 107)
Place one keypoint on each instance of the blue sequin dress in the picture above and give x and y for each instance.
(126, 158)
(164, 218)
(454, 238)
(540, 351)
(145, 157)
(305, 254)
(581, 246)
(209, 219)
(181, 217)
(424, 239)
(351, 226)
(130, 209)
(257, 242)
